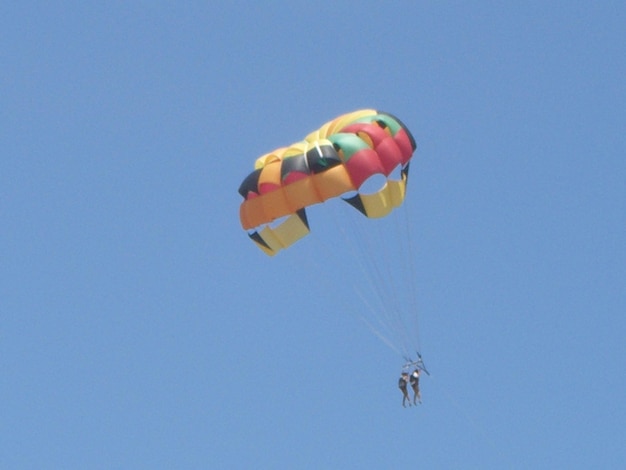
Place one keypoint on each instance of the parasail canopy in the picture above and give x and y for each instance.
(333, 161)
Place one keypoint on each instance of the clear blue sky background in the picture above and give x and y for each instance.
(139, 328)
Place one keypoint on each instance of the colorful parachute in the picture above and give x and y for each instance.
(362, 158)
(331, 162)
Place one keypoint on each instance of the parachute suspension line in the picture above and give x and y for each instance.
(376, 250)
(358, 261)
(382, 251)
(410, 253)
(370, 248)
(395, 280)
(360, 249)
(330, 284)
(398, 280)
(373, 254)
(372, 328)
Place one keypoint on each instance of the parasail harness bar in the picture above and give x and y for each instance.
(418, 364)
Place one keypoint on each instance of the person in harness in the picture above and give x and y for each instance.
(415, 385)
(403, 381)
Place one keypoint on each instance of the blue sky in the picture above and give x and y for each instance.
(139, 328)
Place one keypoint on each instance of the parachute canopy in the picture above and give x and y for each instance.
(333, 161)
